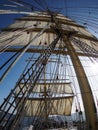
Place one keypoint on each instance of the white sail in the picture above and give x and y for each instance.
(27, 27)
(55, 106)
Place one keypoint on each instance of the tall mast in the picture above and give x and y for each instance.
(45, 94)
(90, 110)
(85, 88)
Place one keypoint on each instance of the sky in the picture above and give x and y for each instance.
(84, 12)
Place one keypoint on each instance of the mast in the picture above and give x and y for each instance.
(87, 96)
(86, 93)
(45, 94)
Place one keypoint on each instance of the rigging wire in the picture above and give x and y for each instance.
(19, 6)
(39, 3)
(31, 7)
(66, 7)
(45, 4)
(88, 26)
(85, 21)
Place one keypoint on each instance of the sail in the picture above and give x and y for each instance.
(61, 88)
(54, 88)
(25, 29)
(55, 106)
(59, 99)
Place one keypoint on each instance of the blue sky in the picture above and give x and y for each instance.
(87, 9)
(84, 12)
